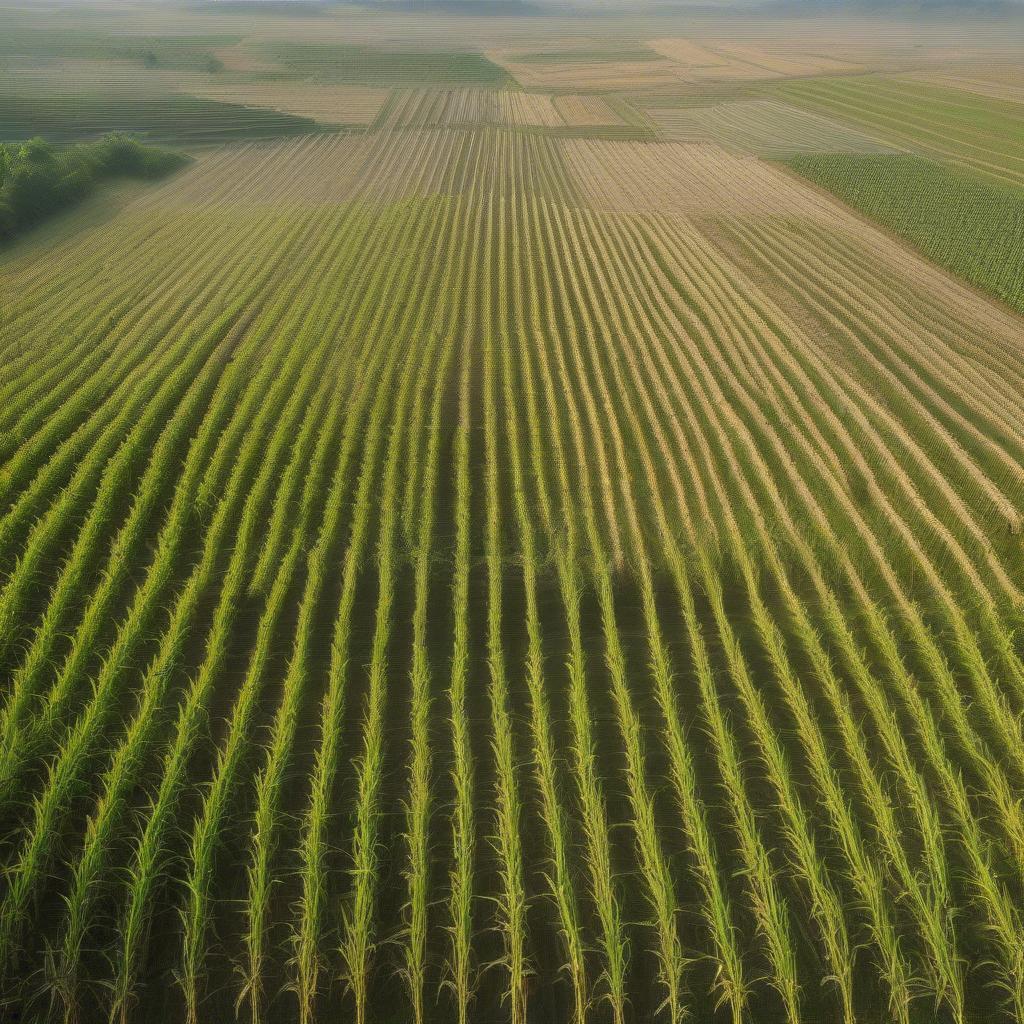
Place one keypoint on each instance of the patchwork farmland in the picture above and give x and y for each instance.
(512, 559)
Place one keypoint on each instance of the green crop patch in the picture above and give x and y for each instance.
(984, 134)
(160, 117)
(178, 53)
(369, 66)
(965, 223)
(38, 180)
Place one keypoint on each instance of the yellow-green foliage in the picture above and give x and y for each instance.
(429, 596)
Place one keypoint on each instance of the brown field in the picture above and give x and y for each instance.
(763, 127)
(720, 60)
(585, 111)
(593, 76)
(688, 53)
(698, 179)
(434, 108)
(530, 110)
(323, 102)
(309, 171)
(777, 61)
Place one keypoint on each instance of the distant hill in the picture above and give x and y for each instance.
(314, 8)
(292, 8)
(937, 8)
(476, 8)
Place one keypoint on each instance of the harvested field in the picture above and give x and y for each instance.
(585, 55)
(717, 60)
(690, 180)
(585, 111)
(589, 76)
(688, 53)
(529, 110)
(311, 171)
(761, 127)
(30, 33)
(33, 75)
(777, 61)
(435, 108)
(328, 104)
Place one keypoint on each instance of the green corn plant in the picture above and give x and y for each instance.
(558, 878)
(260, 407)
(209, 823)
(460, 973)
(602, 885)
(307, 931)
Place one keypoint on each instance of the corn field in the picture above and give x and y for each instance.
(448, 575)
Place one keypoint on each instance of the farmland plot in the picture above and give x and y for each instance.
(961, 220)
(365, 65)
(597, 72)
(719, 60)
(586, 111)
(336, 105)
(983, 134)
(456, 573)
(157, 116)
(432, 108)
(762, 127)
(687, 179)
(996, 82)
(778, 60)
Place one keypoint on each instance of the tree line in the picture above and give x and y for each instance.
(37, 178)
